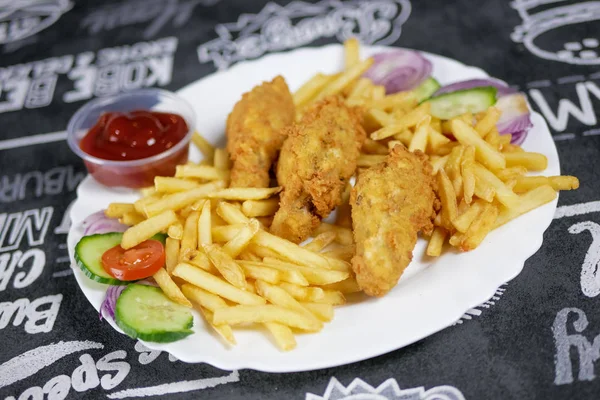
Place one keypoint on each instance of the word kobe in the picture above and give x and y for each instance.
(277, 28)
(539, 19)
(590, 274)
(588, 352)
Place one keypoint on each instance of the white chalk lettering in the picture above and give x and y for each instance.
(584, 113)
(55, 181)
(30, 270)
(37, 320)
(30, 224)
(15, 92)
(84, 378)
(590, 269)
(588, 352)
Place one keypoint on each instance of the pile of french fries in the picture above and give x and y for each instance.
(482, 178)
(221, 258)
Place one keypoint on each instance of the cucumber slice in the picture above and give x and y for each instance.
(426, 89)
(450, 105)
(144, 312)
(89, 250)
(88, 255)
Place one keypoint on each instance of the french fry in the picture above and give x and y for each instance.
(370, 160)
(131, 218)
(407, 121)
(401, 101)
(346, 286)
(484, 190)
(310, 89)
(244, 314)
(370, 146)
(204, 225)
(332, 297)
(480, 227)
(260, 272)
(504, 194)
(202, 261)
(344, 211)
(343, 235)
(260, 208)
(493, 138)
(377, 92)
(203, 298)
(309, 294)
(419, 139)
(529, 160)
(511, 173)
(205, 172)
(468, 177)
(525, 183)
(223, 330)
(436, 242)
(381, 117)
(341, 252)
(175, 231)
(464, 220)
(321, 310)
(222, 160)
(179, 200)
(321, 241)
(231, 214)
(315, 276)
(225, 233)
(282, 334)
(229, 269)
(165, 184)
(279, 297)
(435, 140)
(528, 201)
(117, 210)
(189, 240)
(345, 79)
(213, 284)
(512, 148)
(204, 146)
(447, 197)
(170, 288)
(404, 138)
(360, 88)
(244, 193)
(504, 139)
(171, 254)
(140, 205)
(293, 276)
(147, 191)
(351, 53)
(136, 234)
(489, 120)
(439, 163)
(241, 240)
(484, 153)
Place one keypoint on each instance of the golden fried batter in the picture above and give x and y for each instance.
(391, 203)
(255, 132)
(317, 159)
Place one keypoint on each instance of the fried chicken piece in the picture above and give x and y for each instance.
(255, 132)
(391, 203)
(317, 159)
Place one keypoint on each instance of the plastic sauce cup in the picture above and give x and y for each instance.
(135, 173)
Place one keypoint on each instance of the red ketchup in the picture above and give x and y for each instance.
(134, 135)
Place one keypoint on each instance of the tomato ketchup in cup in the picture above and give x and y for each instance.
(128, 139)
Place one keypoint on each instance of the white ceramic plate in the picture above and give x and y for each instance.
(432, 294)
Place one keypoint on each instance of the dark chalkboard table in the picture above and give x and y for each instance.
(537, 338)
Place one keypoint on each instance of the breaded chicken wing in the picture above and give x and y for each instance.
(391, 203)
(255, 132)
(317, 159)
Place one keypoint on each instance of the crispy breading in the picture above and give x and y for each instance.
(255, 132)
(391, 203)
(316, 161)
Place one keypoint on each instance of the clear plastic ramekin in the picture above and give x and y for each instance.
(135, 173)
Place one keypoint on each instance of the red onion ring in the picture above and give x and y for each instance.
(399, 70)
(100, 223)
(503, 88)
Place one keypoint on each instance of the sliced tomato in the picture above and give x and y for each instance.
(139, 262)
